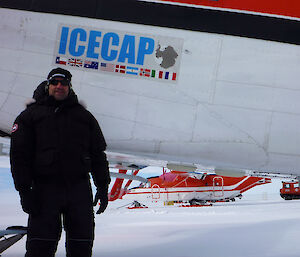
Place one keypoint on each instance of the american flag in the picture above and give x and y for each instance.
(120, 68)
(61, 60)
(107, 67)
(75, 62)
(145, 72)
(91, 65)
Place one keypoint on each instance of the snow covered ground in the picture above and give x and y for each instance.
(259, 225)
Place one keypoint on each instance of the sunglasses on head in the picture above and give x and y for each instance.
(55, 82)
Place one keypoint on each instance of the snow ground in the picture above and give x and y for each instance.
(259, 225)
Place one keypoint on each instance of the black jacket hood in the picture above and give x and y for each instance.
(40, 92)
(40, 96)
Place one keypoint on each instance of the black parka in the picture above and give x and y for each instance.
(57, 141)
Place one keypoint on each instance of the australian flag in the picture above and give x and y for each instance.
(91, 65)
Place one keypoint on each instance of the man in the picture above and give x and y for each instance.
(55, 143)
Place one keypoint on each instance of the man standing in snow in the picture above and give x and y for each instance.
(55, 143)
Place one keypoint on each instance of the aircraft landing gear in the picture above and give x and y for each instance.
(137, 205)
(196, 202)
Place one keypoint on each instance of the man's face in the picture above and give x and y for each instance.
(59, 88)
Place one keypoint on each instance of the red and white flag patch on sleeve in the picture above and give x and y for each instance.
(14, 128)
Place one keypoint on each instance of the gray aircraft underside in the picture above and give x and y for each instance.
(233, 106)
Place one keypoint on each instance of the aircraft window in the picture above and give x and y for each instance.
(142, 185)
(287, 186)
(146, 185)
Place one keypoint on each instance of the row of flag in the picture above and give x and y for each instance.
(123, 69)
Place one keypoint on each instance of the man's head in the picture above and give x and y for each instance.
(59, 83)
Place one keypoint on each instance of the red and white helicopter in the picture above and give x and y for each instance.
(176, 186)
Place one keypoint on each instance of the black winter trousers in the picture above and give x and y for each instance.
(60, 204)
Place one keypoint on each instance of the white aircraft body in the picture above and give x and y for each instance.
(228, 101)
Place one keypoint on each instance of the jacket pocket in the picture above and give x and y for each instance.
(44, 158)
(87, 162)
(44, 164)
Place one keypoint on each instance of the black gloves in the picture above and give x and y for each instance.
(102, 195)
(29, 202)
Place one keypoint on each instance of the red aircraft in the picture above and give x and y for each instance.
(195, 188)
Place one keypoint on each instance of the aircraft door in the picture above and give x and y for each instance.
(155, 189)
(218, 186)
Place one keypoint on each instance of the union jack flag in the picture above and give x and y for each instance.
(75, 62)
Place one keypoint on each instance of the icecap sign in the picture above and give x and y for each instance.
(119, 52)
(84, 43)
